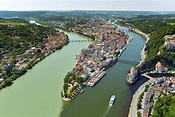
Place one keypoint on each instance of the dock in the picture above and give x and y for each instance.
(94, 80)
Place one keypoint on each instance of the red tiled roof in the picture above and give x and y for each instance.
(133, 68)
(159, 64)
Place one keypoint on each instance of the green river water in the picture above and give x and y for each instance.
(37, 93)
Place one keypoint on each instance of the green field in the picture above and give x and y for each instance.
(171, 23)
(12, 23)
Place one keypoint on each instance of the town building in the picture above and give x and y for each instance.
(132, 75)
(160, 68)
(87, 51)
(170, 42)
(134, 71)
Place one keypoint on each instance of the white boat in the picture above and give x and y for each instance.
(112, 100)
(82, 91)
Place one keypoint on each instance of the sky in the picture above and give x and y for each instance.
(122, 5)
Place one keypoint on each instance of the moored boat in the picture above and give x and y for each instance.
(82, 91)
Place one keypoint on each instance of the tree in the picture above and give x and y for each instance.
(79, 80)
(139, 105)
(139, 114)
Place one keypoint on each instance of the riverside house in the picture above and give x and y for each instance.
(131, 78)
(160, 68)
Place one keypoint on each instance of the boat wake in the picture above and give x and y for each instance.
(107, 110)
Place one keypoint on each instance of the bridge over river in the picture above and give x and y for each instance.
(129, 61)
(80, 40)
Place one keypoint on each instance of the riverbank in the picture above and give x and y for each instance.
(37, 93)
(147, 37)
(27, 61)
(139, 32)
(121, 51)
(133, 106)
(67, 31)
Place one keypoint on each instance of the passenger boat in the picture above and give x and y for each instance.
(112, 100)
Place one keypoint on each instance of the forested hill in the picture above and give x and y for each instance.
(22, 45)
(156, 50)
(157, 26)
(16, 35)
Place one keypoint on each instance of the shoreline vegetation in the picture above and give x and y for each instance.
(143, 52)
(145, 35)
(21, 62)
(90, 67)
(140, 90)
(134, 103)
(156, 50)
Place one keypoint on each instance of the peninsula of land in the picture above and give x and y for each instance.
(107, 46)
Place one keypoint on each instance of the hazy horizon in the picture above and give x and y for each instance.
(97, 5)
(90, 10)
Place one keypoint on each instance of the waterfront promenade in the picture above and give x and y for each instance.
(142, 53)
(133, 107)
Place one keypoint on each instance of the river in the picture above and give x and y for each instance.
(37, 93)
(94, 101)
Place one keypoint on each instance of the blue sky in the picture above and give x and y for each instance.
(145, 5)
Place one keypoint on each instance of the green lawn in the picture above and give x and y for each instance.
(165, 107)
(171, 112)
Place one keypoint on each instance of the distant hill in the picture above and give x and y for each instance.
(36, 14)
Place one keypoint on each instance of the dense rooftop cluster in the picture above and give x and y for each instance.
(158, 88)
